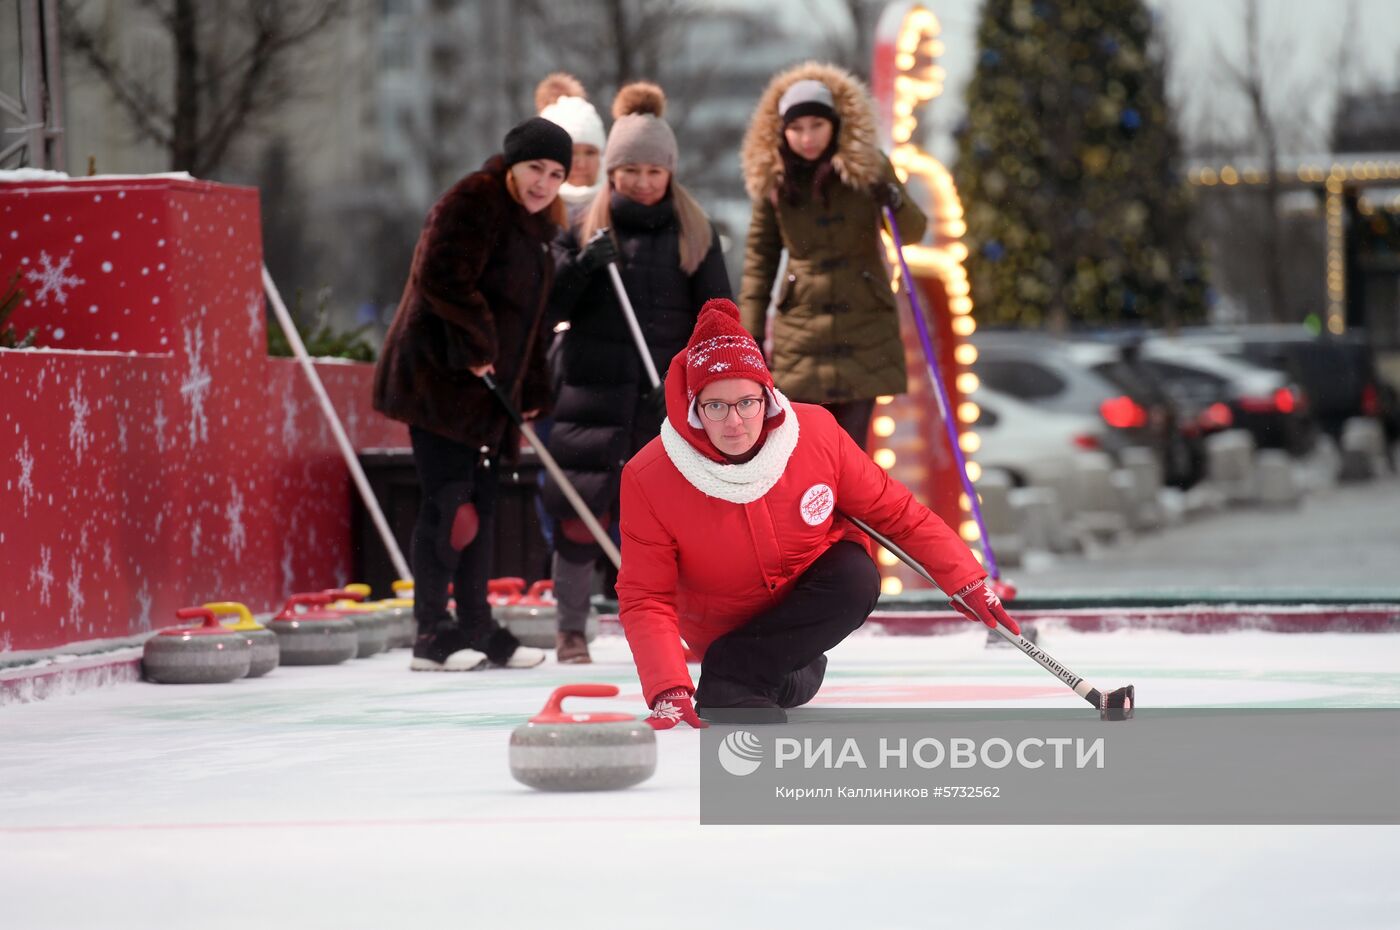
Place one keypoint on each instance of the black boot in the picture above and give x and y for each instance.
(720, 700)
(445, 649)
(801, 686)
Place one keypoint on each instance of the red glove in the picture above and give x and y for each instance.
(671, 708)
(978, 602)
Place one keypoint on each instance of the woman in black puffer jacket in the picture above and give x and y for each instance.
(669, 257)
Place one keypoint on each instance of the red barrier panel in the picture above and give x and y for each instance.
(156, 457)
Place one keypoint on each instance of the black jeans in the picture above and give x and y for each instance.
(854, 417)
(829, 602)
(452, 475)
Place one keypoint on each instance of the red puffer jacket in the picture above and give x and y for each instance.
(697, 563)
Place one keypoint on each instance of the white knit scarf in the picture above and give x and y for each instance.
(742, 483)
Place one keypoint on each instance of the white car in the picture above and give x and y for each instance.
(1031, 444)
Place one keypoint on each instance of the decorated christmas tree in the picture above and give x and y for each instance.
(1068, 168)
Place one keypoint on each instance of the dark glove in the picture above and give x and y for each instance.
(673, 707)
(978, 602)
(597, 253)
(888, 195)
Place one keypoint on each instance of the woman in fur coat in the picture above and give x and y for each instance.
(819, 182)
(669, 258)
(474, 305)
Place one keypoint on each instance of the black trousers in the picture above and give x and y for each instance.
(854, 417)
(829, 602)
(452, 475)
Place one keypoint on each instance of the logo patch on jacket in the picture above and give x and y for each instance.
(817, 504)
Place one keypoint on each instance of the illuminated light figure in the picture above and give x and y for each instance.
(906, 76)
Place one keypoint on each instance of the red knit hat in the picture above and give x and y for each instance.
(721, 348)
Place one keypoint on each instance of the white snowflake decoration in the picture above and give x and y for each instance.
(288, 576)
(195, 387)
(43, 575)
(159, 421)
(666, 710)
(143, 597)
(26, 475)
(236, 537)
(78, 437)
(290, 434)
(107, 555)
(121, 435)
(76, 599)
(53, 279)
(254, 308)
(196, 537)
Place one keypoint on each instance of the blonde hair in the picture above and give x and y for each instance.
(557, 212)
(696, 236)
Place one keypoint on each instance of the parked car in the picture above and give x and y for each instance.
(1338, 374)
(1220, 392)
(1058, 376)
(1032, 445)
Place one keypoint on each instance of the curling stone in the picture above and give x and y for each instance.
(560, 751)
(403, 628)
(309, 634)
(203, 655)
(371, 621)
(533, 617)
(263, 642)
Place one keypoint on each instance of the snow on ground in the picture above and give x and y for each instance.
(366, 796)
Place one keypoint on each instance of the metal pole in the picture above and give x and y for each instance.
(347, 451)
(633, 325)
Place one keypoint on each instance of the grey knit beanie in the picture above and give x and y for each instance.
(639, 135)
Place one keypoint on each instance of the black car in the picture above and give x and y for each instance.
(1218, 392)
(1338, 374)
(1060, 375)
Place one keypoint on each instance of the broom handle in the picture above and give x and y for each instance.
(528, 431)
(940, 393)
(633, 325)
(1042, 658)
(347, 451)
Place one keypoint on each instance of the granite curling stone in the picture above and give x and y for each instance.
(371, 621)
(266, 653)
(309, 634)
(406, 629)
(561, 751)
(206, 654)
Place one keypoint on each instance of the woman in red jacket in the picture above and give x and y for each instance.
(733, 538)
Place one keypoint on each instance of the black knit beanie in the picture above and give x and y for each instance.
(539, 138)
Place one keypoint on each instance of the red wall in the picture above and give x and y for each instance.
(157, 457)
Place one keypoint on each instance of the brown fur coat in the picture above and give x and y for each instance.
(476, 295)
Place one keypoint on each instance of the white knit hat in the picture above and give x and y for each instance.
(579, 119)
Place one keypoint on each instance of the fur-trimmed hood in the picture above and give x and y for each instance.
(858, 160)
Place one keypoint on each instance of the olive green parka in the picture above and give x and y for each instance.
(835, 332)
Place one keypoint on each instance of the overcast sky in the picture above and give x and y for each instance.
(1301, 41)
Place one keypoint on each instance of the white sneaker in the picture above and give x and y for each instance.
(463, 660)
(524, 657)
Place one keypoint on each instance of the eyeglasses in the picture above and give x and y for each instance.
(718, 410)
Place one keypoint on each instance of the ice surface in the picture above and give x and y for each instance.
(366, 796)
